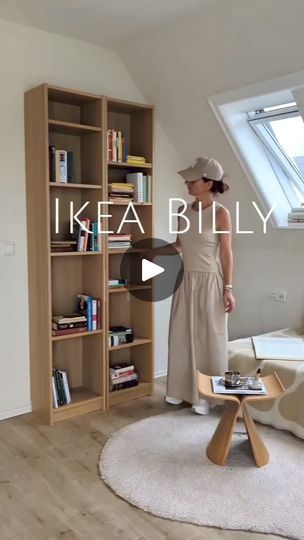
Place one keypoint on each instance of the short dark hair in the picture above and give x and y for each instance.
(218, 186)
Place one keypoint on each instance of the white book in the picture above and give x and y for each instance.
(61, 166)
(54, 391)
(297, 209)
(136, 179)
(296, 215)
(278, 348)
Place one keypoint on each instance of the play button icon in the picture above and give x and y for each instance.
(152, 269)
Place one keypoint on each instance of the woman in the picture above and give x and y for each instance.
(200, 306)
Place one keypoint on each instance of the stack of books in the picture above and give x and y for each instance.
(121, 241)
(73, 323)
(142, 186)
(120, 191)
(297, 214)
(117, 148)
(90, 308)
(135, 160)
(60, 386)
(122, 376)
(116, 283)
(59, 246)
(60, 165)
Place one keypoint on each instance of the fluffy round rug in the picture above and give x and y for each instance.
(159, 464)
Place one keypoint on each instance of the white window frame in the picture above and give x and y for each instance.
(231, 110)
(289, 173)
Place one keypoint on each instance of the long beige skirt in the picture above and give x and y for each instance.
(198, 333)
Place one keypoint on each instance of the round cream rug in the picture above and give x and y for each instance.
(159, 464)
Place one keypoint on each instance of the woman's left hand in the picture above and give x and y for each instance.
(229, 301)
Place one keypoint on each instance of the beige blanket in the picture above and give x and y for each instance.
(286, 412)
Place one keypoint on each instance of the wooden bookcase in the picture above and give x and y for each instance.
(78, 122)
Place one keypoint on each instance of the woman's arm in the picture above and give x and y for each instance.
(169, 249)
(223, 223)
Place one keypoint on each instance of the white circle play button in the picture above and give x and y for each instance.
(150, 270)
(143, 276)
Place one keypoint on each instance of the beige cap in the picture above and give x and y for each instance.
(203, 168)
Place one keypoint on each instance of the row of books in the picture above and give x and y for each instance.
(87, 318)
(142, 186)
(60, 388)
(88, 237)
(116, 283)
(136, 187)
(122, 376)
(297, 214)
(121, 241)
(85, 238)
(60, 165)
(117, 146)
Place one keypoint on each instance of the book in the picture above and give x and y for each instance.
(218, 386)
(136, 178)
(70, 166)
(61, 166)
(121, 367)
(278, 348)
(65, 326)
(123, 385)
(69, 318)
(64, 381)
(85, 308)
(54, 393)
(52, 165)
(69, 331)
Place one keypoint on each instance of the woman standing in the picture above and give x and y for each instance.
(198, 322)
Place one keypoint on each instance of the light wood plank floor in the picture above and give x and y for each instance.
(50, 486)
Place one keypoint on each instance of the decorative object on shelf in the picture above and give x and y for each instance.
(119, 335)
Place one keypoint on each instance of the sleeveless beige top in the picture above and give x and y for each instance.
(200, 250)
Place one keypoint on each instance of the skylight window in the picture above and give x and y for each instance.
(263, 123)
(282, 135)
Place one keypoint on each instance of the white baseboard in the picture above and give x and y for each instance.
(160, 374)
(15, 412)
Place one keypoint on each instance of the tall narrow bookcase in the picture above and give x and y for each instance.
(78, 122)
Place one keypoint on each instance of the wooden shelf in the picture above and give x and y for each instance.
(76, 253)
(135, 392)
(76, 335)
(135, 343)
(128, 202)
(83, 401)
(126, 165)
(116, 251)
(74, 186)
(70, 128)
(128, 288)
(77, 123)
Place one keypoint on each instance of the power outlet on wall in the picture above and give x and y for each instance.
(279, 296)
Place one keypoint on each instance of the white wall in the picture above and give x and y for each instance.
(233, 43)
(28, 58)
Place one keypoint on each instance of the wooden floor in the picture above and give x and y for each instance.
(50, 486)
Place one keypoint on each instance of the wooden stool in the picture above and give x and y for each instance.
(218, 448)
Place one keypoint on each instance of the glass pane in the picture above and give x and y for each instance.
(290, 135)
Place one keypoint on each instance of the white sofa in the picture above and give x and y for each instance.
(286, 412)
